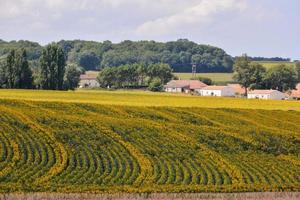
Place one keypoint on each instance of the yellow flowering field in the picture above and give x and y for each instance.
(143, 98)
(108, 142)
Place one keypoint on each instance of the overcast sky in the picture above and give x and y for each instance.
(257, 27)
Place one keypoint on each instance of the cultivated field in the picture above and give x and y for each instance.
(270, 64)
(215, 77)
(142, 98)
(223, 78)
(58, 142)
(203, 196)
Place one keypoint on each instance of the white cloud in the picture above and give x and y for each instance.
(224, 23)
(196, 15)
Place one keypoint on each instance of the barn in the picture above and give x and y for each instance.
(88, 81)
(266, 94)
(218, 91)
(184, 86)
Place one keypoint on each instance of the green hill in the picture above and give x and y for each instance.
(82, 147)
(93, 55)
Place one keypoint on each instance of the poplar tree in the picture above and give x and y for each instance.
(52, 67)
(25, 79)
(16, 73)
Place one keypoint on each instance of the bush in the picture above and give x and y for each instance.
(155, 85)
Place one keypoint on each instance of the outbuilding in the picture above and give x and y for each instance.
(88, 81)
(218, 91)
(266, 94)
(184, 86)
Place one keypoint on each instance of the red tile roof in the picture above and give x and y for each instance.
(88, 77)
(190, 84)
(237, 88)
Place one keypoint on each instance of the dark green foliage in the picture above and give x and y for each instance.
(298, 70)
(281, 78)
(155, 85)
(72, 77)
(205, 80)
(33, 49)
(89, 61)
(15, 72)
(52, 65)
(24, 72)
(179, 55)
(248, 74)
(90, 55)
(162, 71)
(136, 75)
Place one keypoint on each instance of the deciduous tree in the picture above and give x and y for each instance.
(72, 77)
(281, 77)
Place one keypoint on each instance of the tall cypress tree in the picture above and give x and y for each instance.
(16, 73)
(25, 73)
(52, 67)
(61, 64)
(9, 71)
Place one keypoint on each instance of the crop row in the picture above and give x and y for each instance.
(79, 147)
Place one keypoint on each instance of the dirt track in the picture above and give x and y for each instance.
(239, 196)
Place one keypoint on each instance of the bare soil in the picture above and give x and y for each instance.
(204, 196)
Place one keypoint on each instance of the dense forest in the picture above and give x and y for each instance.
(90, 55)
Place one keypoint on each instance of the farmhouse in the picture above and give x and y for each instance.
(295, 94)
(238, 89)
(185, 86)
(219, 91)
(88, 81)
(266, 94)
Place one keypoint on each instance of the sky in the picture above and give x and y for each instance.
(257, 27)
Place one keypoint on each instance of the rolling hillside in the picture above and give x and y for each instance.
(56, 146)
(223, 78)
(217, 78)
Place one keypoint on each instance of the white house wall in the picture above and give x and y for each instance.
(226, 92)
(217, 93)
(177, 90)
(274, 96)
(89, 83)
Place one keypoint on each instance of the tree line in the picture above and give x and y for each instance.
(272, 59)
(90, 55)
(253, 75)
(153, 76)
(52, 72)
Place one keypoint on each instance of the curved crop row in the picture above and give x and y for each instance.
(69, 147)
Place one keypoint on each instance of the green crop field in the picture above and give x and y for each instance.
(215, 77)
(223, 78)
(109, 142)
(270, 64)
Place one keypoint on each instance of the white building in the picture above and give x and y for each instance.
(185, 86)
(88, 81)
(266, 94)
(218, 91)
